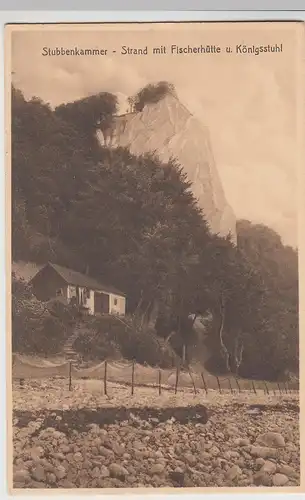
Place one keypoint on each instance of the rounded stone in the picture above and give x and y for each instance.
(38, 473)
(262, 479)
(78, 457)
(259, 462)
(280, 479)
(157, 469)
(104, 472)
(263, 452)
(189, 458)
(21, 476)
(233, 472)
(271, 439)
(60, 472)
(287, 470)
(51, 478)
(118, 471)
(269, 467)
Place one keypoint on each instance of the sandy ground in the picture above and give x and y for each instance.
(55, 394)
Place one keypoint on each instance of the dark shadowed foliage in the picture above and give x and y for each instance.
(112, 338)
(37, 327)
(132, 221)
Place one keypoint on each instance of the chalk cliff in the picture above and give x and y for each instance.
(170, 130)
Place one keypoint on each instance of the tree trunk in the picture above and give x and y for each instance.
(224, 351)
(144, 315)
(194, 319)
(238, 354)
(139, 304)
(183, 354)
(167, 339)
(153, 312)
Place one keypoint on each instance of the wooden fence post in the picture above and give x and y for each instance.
(230, 386)
(205, 386)
(192, 379)
(254, 387)
(132, 379)
(70, 376)
(279, 387)
(105, 377)
(159, 381)
(218, 384)
(266, 386)
(239, 390)
(177, 379)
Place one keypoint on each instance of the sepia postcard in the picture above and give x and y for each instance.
(154, 216)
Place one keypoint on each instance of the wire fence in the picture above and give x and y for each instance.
(136, 375)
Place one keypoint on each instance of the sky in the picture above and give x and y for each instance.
(248, 102)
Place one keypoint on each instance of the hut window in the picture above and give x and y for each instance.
(115, 302)
(59, 292)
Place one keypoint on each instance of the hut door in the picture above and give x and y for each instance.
(101, 303)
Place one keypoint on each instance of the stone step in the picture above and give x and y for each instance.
(68, 346)
(73, 337)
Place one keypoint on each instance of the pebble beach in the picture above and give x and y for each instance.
(85, 439)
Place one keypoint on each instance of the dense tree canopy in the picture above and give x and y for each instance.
(90, 113)
(133, 221)
(277, 344)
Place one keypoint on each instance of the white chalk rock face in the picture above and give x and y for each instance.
(170, 130)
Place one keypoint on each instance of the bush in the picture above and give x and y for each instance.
(151, 93)
(93, 346)
(111, 337)
(38, 327)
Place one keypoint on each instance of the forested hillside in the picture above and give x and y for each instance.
(133, 222)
